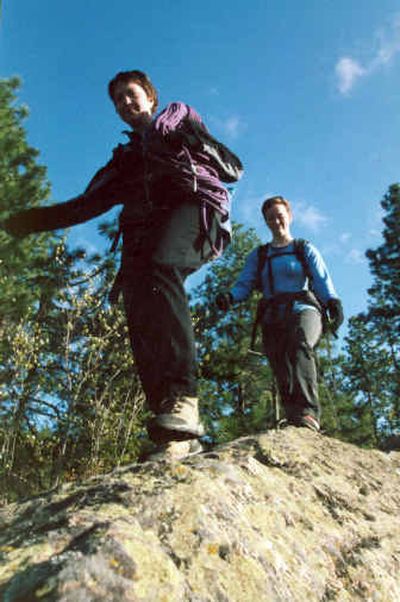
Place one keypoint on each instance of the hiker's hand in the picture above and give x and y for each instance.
(224, 301)
(335, 314)
(17, 225)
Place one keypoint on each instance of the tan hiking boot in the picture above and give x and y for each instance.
(310, 422)
(179, 415)
(174, 451)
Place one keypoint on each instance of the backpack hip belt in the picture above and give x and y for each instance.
(285, 300)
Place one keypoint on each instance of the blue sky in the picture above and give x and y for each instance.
(306, 93)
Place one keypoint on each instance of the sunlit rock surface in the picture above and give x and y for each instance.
(288, 516)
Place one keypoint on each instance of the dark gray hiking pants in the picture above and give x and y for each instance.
(289, 346)
(154, 268)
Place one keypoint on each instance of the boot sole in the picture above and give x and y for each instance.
(161, 456)
(166, 428)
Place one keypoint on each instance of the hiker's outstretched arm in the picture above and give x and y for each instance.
(101, 194)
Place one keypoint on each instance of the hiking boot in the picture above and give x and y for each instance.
(174, 451)
(309, 422)
(180, 416)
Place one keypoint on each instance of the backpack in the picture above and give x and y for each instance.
(182, 126)
(222, 159)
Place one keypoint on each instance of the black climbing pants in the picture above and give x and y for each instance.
(155, 265)
(289, 345)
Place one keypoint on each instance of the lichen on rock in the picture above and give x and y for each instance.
(285, 515)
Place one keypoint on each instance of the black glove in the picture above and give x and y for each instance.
(335, 314)
(224, 301)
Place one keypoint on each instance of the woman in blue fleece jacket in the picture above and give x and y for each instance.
(292, 312)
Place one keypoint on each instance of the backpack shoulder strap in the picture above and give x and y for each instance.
(299, 250)
(261, 259)
(299, 245)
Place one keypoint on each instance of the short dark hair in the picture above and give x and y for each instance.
(140, 78)
(275, 200)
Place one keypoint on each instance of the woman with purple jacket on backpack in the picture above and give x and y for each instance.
(175, 217)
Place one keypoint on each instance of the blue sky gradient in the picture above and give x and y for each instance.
(306, 93)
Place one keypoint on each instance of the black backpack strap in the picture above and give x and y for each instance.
(299, 250)
(261, 306)
(261, 259)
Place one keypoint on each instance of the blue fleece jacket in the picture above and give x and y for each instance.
(288, 275)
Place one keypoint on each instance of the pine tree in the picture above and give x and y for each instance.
(365, 375)
(384, 307)
(70, 396)
(384, 302)
(372, 370)
(23, 263)
(23, 184)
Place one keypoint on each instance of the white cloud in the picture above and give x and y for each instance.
(344, 237)
(349, 70)
(355, 256)
(374, 233)
(309, 216)
(389, 45)
(231, 126)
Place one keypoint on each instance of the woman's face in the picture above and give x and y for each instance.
(278, 219)
(132, 104)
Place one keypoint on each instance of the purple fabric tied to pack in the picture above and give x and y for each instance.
(202, 161)
(172, 116)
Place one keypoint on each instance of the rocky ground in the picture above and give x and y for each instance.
(282, 516)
